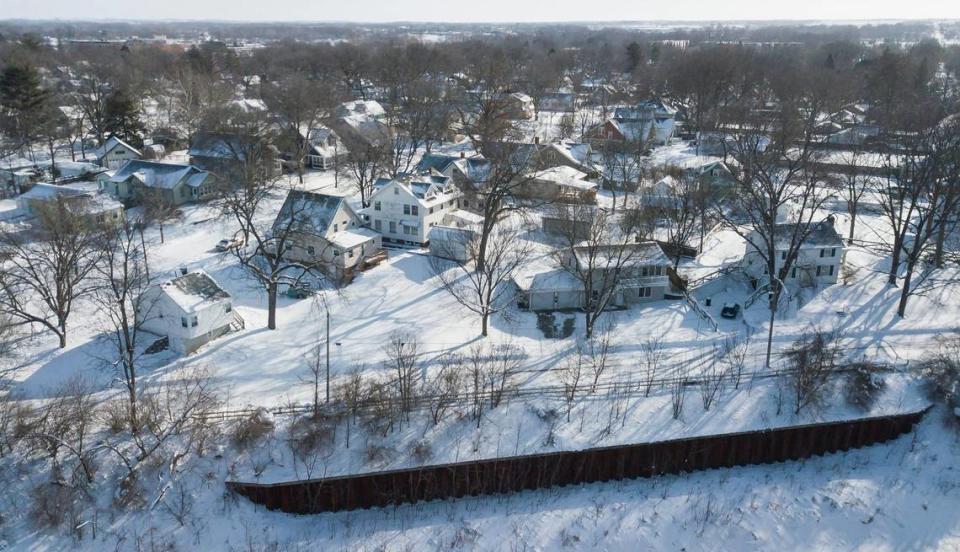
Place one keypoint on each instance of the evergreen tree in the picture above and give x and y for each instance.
(122, 117)
(21, 102)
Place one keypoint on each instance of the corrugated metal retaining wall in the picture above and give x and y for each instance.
(540, 471)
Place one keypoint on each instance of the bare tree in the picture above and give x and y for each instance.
(477, 272)
(265, 253)
(779, 170)
(854, 185)
(300, 104)
(919, 199)
(674, 205)
(401, 353)
(443, 388)
(571, 372)
(653, 358)
(47, 268)
(811, 360)
(364, 164)
(600, 259)
(122, 293)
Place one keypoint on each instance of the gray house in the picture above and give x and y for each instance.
(174, 184)
(643, 277)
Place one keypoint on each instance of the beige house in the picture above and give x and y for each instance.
(326, 233)
(114, 153)
(79, 198)
(560, 184)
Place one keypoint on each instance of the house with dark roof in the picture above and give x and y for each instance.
(225, 154)
(324, 232)
(171, 183)
(190, 310)
(649, 122)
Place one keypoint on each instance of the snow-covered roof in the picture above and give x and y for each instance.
(312, 212)
(78, 197)
(368, 108)
(112, 143)
(426, 188)
(16, 164)
(166, 176)
(823, 234)
(352, 237)
(461, 218)
(634, 254)
(320, 142)
(566, 177)
(194, 291)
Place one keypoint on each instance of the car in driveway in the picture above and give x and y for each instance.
(228, 244)
(730, 310)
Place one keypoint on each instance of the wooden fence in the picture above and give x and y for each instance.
(540, 471)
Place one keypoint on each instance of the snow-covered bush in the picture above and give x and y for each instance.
(863, 385)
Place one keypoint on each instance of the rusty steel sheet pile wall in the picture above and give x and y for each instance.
(541, 471)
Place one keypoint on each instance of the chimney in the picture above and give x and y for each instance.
(463, 155)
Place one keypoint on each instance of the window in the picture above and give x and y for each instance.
(393, 227)
(431, 210)
(311, 250)
(335, 227)
(414, 210)
(406, 209)
(228, 307)
(183, 322)
(830, 270)
(336, 252)
(823, 253)
(193, 321)
(376, 225)
(396, 191)
(376, 205)
(783, 255)
(645, 292)
(350, 253)
(833, 251)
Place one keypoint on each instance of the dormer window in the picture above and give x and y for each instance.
(396, 191)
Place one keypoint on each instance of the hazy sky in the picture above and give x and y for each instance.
(480, 10)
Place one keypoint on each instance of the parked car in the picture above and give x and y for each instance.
(228, 244)
(730, 310)
(299, 291)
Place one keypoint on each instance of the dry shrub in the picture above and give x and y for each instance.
(115, 416)
(252, 429)
(311, 434)
(376, 454)
(54, 506)
(421, 451)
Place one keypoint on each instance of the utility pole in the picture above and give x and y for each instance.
(328, 355)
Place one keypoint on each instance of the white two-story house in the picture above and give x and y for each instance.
(190, 310)
(819, 258)
(404, 210)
